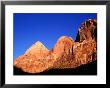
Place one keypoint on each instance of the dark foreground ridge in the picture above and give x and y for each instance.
(87, 69)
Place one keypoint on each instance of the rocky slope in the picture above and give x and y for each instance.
(66, 53)
(85, 69)
(33, 60)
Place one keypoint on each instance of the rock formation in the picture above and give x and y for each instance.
(66, 53)
(33, 60)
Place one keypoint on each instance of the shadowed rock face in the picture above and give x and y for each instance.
(66, 53)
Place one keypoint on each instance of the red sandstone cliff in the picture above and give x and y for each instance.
(66, 53)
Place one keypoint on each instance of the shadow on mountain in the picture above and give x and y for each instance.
(88, 69)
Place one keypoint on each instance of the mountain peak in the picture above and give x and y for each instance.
(37, 47)
(39, 44)
(87, 30)
(65, 54)
(65, 37)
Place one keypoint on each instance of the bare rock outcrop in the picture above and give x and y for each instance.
(33, 60)
(66, 53)
(72, 54)
(87, 31)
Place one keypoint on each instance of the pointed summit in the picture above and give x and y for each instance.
(38, 43)
(37, 48)
(65, 54)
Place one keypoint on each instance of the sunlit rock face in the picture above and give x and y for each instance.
(87, 31)
(34, 59)
(87, 41)
(65, 54)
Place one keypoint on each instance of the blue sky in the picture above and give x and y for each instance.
(45, 27)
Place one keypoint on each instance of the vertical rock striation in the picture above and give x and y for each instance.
(66, 53)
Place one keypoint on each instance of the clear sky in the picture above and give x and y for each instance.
(45, 27)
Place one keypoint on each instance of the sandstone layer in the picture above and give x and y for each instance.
(65, 54)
